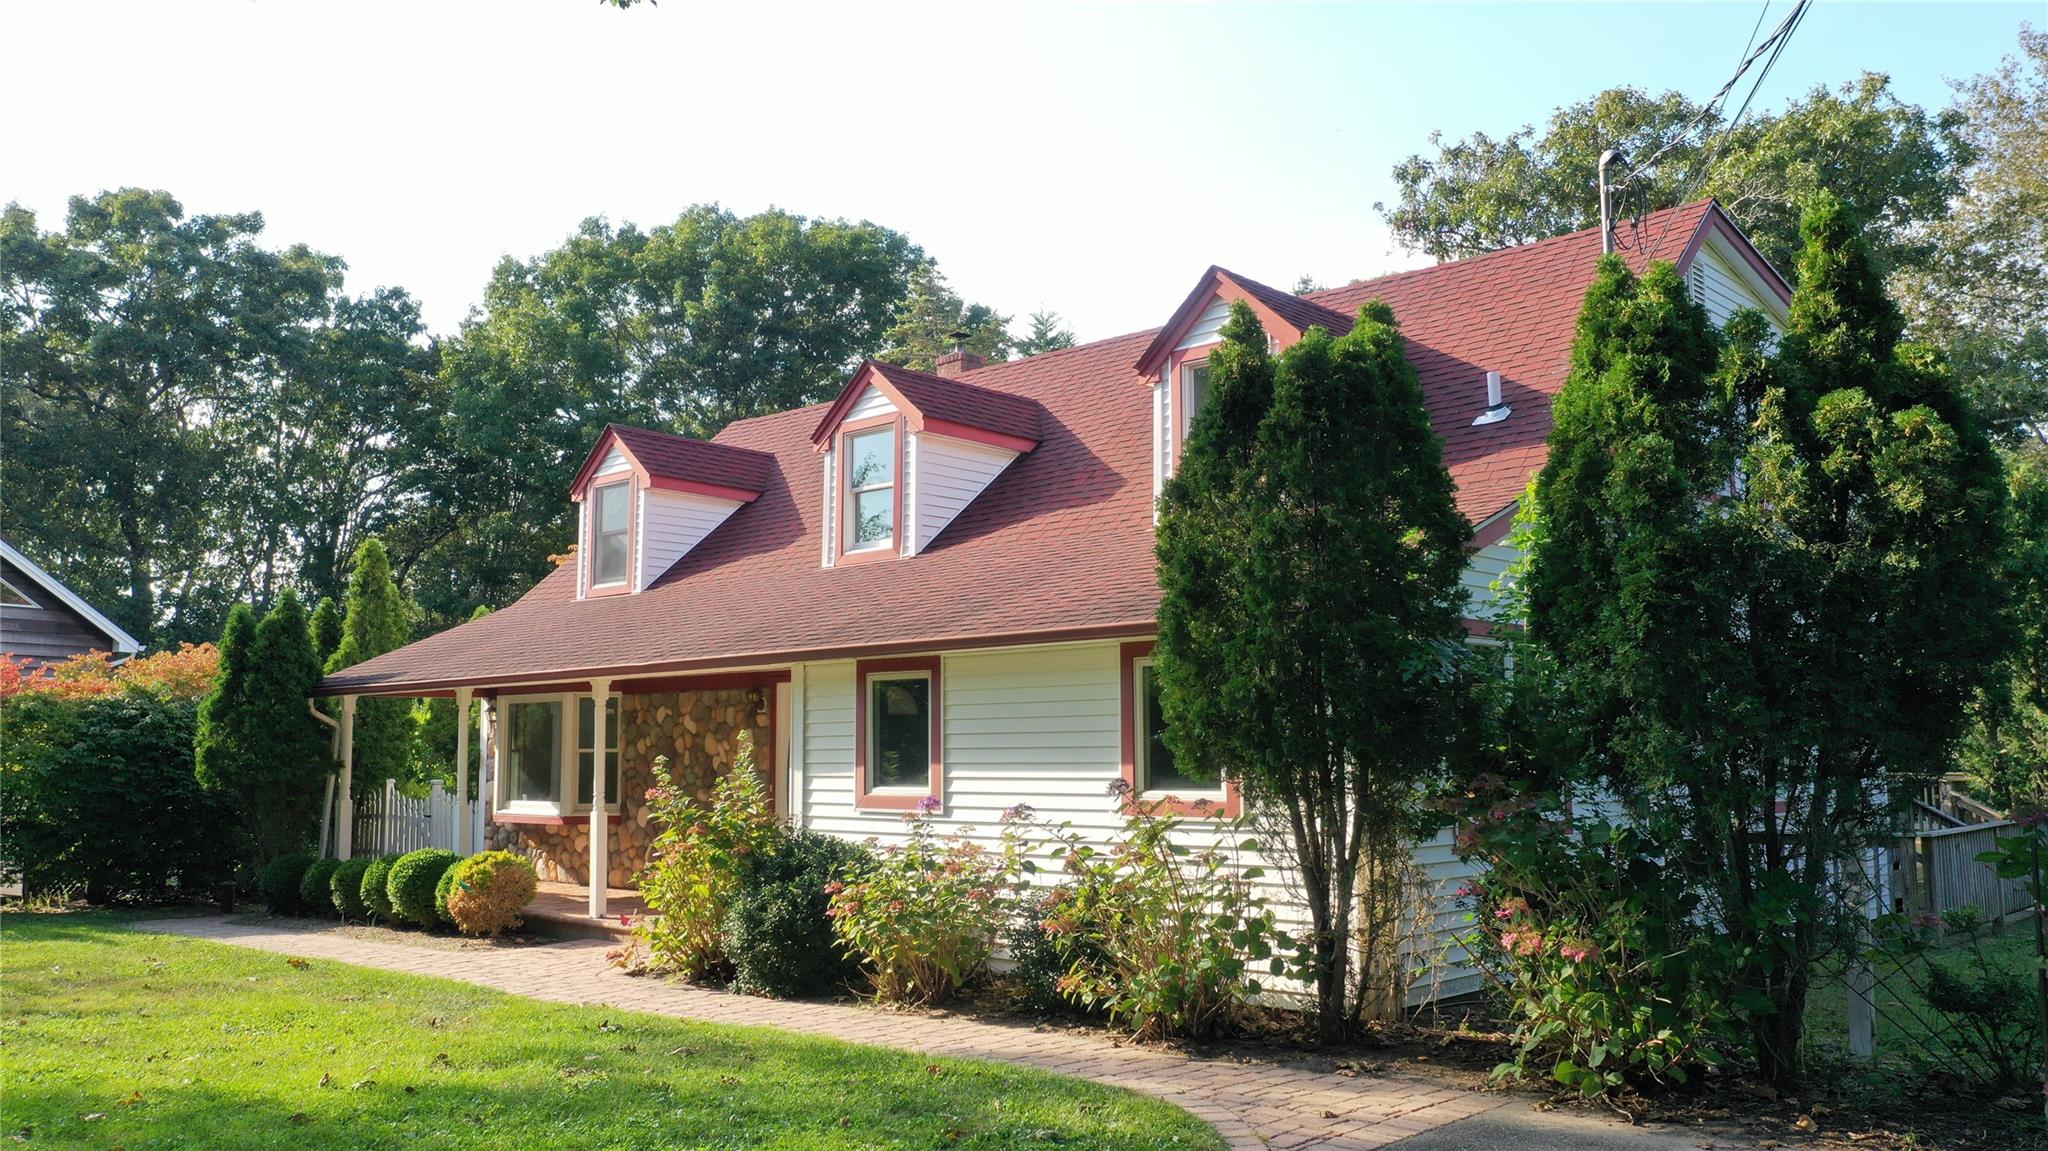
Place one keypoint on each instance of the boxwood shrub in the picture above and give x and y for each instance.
(777, 934)
(316, 887)
(347, 886)
(279, 882)
(443, 890)
(413, 881)
(490, 889)
(377, 886)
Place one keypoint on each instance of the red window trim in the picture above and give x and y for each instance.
(842, 529)
(861, 799)
(1128, 655)
(1178, 417)
(545, 820)
(590, 585)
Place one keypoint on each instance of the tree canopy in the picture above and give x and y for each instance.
(925, 328)
(1891, 163)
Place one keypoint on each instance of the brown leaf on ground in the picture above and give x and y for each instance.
(297, 963)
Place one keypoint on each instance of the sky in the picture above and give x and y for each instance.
(1088, 159)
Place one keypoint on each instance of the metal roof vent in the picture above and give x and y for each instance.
(1496, 411)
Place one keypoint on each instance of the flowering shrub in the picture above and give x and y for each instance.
(1607, 977)
(489, 890)
(923, 915)
(699, 862)
(182, 675)
(1160, 936)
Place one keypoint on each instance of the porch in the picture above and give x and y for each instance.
(588, 832)
(563, 910)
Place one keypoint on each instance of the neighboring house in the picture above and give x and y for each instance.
(42, 621)
(942, 585)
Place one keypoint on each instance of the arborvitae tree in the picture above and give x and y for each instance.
(327, 629)
(375, 624)
(257, 744)
(1769, 591)
(220, 747)
(1311, 620)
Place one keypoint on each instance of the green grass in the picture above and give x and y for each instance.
(1903, 1018)
(115, 1038)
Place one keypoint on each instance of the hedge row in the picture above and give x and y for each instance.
(481, 895)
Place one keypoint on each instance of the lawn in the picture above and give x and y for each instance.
(115, 1038)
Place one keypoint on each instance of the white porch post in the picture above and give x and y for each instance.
(462, 844)
(600, 826)
(486, 772)
(345, 822)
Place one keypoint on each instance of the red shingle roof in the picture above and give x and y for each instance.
(933, 397)
(666, 456)
(1060, 544)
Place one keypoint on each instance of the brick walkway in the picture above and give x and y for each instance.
(1253, 1105)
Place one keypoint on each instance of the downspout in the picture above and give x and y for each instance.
(333, 750)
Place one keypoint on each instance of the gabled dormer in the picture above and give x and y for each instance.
(1176, 363)
(904, 452)
(646, 498)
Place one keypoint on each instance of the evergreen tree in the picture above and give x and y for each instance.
(1769, 589)
(221, 744)
(257, 744)
(374, 623)
(326, 626)
(925, 323)
(1048, 334)
(1310, 624)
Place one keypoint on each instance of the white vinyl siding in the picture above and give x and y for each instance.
(1486, 566)
(1208, 327)
(1043, 726)
(872, 403)
(1720, 286)
(671, 523)
(948, 473)
(831, 517)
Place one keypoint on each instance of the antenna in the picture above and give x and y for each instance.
(1606, 208)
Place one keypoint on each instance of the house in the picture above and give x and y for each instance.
(42, 621)
(942, 585)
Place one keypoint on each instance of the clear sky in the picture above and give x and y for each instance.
(1088, 159)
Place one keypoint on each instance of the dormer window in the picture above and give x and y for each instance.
(871, 488)
(611, 533)
(901, 453)
(1194, 389)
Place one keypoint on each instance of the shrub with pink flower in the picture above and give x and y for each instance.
(922, 917)
(699, 862)
(1600, 957)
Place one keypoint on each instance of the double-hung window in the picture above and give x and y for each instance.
(610, 533)
(546, 754)
(898, 762)
(1194, 390)
(871, 489)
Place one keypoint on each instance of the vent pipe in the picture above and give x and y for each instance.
(1496, 410)
(1606, 209)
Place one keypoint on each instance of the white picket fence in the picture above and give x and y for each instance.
(392, 823)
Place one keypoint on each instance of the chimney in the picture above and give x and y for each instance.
(959, 361)
(1496, 410)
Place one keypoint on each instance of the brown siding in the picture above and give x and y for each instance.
(48, 632)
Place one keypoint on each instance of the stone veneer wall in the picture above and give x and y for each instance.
(697, 730)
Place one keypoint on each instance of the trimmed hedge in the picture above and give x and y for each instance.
(376, 892)
(316, 887)
(414, 879)
(280, 881)
(489, 891)
(347, 887)
(777, 934)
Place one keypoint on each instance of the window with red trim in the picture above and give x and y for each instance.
(870, 491)
(898, 764)
(611, 532)
(1156, 785)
